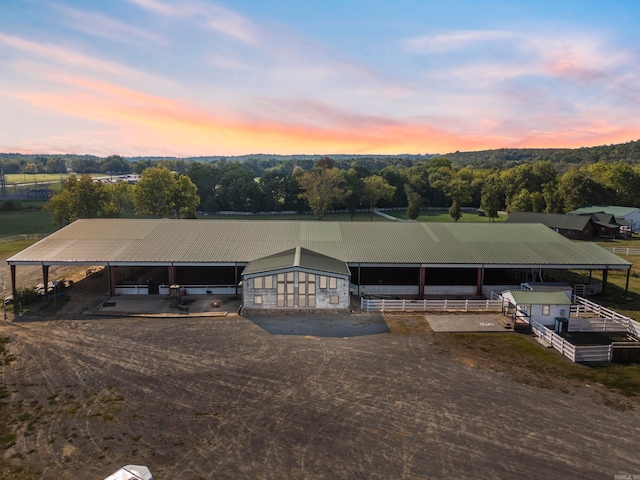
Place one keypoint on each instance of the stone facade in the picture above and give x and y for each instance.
(295, 289)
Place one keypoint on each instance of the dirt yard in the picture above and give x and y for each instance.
(211, 398)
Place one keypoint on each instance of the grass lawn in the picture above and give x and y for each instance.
(443, 216)
(26, 221)
(7, 249)
(528, 362)
(20, 178)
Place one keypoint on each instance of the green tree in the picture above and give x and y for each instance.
(455, 211)
(55, 165)
(490, 199)
(320, 189)
(153, 194)
(161, 192)
(115, 164)
(414, 202)
(374, 189)
(521, 202)
(185, 199)
(30, 168)
(120, 196)
(79, 198)
(353, 191)
(578, 189)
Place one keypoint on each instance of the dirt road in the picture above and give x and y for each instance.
(224, 398)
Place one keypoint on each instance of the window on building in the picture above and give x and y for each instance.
(258, 282)
(286, 290)
(333, 283)
(322, 280)
(257, 299)
(334, 299)
(268, 281)
(546, 309)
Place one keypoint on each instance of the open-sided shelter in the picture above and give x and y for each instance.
(384, 258)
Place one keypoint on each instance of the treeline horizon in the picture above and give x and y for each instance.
(510, 179)
(562, 158)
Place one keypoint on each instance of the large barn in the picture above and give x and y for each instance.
(379, 258)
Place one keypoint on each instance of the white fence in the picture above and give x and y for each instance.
(384, 305)
(582, 305)
(596, 353)
(597, 325)
(585, 290)
(593, 353)
(624, 250)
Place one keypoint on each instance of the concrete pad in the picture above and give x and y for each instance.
(466, 323)
(158, 306)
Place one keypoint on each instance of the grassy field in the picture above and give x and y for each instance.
(443, 216)
(523, 358)
(20, 178)
(34, 220)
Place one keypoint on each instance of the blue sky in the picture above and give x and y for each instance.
(196, 77)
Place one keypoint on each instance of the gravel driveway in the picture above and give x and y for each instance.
(225, 398)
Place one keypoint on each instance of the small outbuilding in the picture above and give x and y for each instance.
(543, 307)
(296, 279)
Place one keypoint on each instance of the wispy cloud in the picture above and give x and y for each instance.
(100, 25)
(447, 42)
(215, 17)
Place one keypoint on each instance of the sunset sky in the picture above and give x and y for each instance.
(198, 77)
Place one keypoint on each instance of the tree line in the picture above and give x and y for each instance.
(232, 186)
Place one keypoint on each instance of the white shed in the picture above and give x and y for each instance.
(543, 307)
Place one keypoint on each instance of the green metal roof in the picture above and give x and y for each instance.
(551, 220)
(297, 257)
(198, 242)
(614, 210)
(528, 297)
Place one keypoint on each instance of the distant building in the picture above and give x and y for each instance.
(630, 215)
(575, 227)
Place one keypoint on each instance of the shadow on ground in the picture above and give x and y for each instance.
(318, 325)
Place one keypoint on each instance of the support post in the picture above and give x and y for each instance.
(479, 282)
(605, 275)
(14, 287)
(45, 279)
(111, 278)
(423, 278)
(235, 276)
(626, 287)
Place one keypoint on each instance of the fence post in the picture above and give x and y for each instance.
(383, 304)
(466, 305)
(403, 304)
